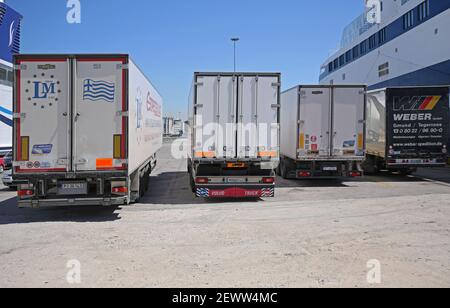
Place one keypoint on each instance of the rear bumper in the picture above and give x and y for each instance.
(240, 191)
(330, 169)
(416, 163)
(72, 202)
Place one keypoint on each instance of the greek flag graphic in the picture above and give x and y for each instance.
(202, 192)
(5, 116)
(98, 90)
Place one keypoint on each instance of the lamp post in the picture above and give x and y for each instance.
(235, 40)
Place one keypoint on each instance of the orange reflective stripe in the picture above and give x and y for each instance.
(236, 165)
(104, 162)
(302, 141)
(268, 154)
(360, 141)
(205, 154)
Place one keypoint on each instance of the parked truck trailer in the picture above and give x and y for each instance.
(87, 129)
(6, 79)
(322, 132)
(234, 134)
(169, 130)
(407, 128)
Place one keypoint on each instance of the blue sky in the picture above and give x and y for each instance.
(171, 39)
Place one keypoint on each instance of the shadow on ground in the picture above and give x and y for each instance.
(284, 183)
(380, 177)
(173, 188)
(11, 214)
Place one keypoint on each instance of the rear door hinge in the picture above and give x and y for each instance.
(63, 161)
(122, 113)
(20, 67)
(19, 115)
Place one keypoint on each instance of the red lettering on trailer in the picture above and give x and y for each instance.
(153, 106)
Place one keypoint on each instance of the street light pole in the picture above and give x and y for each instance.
(235, 40)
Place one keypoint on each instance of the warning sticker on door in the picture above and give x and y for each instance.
(349, 144)
(42, 149)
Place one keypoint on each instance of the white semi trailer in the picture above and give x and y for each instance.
(6, 79)
(322, 132)
(169, 130)
(87, 129)
(234, 134)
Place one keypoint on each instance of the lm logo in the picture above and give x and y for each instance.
(43, 89)
(416, 103)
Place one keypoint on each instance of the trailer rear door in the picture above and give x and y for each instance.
(99, 114)
(42, 115)
(348, 121)
(215, 116)
(314, 122)
(258, 124)
(418, 126)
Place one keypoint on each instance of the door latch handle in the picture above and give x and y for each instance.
(77, 116)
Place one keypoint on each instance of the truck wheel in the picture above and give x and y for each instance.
(283, 170)
(278, 171)
(189, 166)
(147, 180)
(141, 186)
(407, 172)
(192, 184)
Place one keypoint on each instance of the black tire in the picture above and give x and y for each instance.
(283, 170)
(189, 166)
(191, 183)
(146, 177)
(406, 172)
(141, 186)
(277, 170)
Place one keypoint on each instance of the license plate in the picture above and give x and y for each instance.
(416, 161)
(72, 188)
(236, 180)
(329, 168)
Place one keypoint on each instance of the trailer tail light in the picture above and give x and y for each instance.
(25, 191)
(268, 180)
(355, 174)
(304, 174)
(201, 180)
(24, 149)
(122, 190)
(117, 147)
